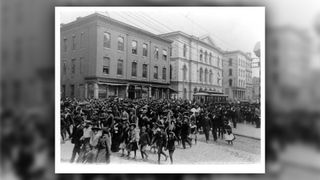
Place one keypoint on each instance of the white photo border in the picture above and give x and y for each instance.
(61, 167)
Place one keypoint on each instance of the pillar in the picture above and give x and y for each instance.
(95, 90)
(86, 90)
(150, 92)
(127, 91)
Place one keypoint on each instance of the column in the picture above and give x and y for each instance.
(168, 93)
(127, 91)
(95, 90)
(86, 90)
(149, 92)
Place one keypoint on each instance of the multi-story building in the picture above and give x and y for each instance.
(249, 87)
(196, 64)
(235, 74)
(102, 57)
(256, 89)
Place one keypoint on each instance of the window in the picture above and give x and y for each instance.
(156, 53)
(120, 67)
(73, 42)
(230, 72)
(184, 72)
(73, 66)
(230, 62)
(120, 43)
(164, 54)
(164, 73)
(64, 67)
(210, 58)
(81, 39)
(205, 56)
(106, 40)
(145, 49)
(210, 77)
(206, 76)
(184, 50)
(106, 65)
(72, 90)
(184, 93)
(145, 70)
(201, 75)
(170, 51)
(200, 54)
(134, 69)
(155, 75)
(134, 45)
(230, 82)
(80, 64)
(63, 93)
(65, 46)
(218, 61)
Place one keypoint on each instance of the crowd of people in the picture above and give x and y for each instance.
(99, 127)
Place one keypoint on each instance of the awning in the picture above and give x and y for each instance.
(112, 84)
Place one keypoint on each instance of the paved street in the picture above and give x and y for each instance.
(244, 150)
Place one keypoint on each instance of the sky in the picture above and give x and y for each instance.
(231, 28)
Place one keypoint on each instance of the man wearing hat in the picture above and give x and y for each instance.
(161, 141)
(185, 129)
(144, 141)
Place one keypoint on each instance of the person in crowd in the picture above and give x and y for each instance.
(171, 145)
(144, 142)
(160, 140)
(132, 140)
(103, 146)
(185, 131)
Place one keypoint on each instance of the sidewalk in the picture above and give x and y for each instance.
(247, 130)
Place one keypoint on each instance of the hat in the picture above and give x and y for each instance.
(133, 124)
(105, 130)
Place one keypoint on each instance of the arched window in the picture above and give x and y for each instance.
(230, 62)
(230, 72)
(218, 62)
(210, 58)
(205, 56)
(206, 76)
(184, 72)
(201, 74)
(184, 50)
(200, 54)
(230, 82)
(210, 77)
(195, 90)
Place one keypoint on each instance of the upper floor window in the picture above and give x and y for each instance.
(145, 70)
(106, 65)
(201, 74)
(184, 50)
(230, 82)
(164, 73)
(65, 45)
(73, 66)
(205, 56)
(120, 67)
(81, 39)
(106, 40)
(64, 67)
(73, 42)
(230, 72)
(210, 58)
(170, 71)
(210, 77)
(184, 72)
(164, 54)
(201, 55)
(145, 49)
(134, 69)
(156, 53)
(155, 75)
(134, 45)
(120, 43)
(206, 76)
(230, 62)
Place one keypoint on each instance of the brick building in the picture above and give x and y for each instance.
(236, 73)
(102, 57)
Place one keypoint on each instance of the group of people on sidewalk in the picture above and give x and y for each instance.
(99, 127)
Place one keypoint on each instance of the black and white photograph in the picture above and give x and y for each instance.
(160, 89)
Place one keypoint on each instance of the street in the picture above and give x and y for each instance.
(244, 150)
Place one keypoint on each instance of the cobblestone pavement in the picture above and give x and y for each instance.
(244, 150)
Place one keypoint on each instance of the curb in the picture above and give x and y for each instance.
(255, 138)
